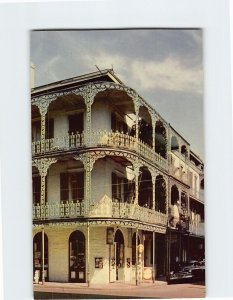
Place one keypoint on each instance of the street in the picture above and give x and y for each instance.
(158, 290)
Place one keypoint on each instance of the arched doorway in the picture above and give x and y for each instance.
(77, 263)
(119, 248)
(38, 256)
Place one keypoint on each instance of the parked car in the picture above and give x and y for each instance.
(190, 271)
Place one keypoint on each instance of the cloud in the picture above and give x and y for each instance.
(169, 74)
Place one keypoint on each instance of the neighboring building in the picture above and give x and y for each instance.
(110, 176)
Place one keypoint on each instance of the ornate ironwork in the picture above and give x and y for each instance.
(110, 139)
(43, 165)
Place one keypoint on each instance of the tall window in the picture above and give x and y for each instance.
(117, 124)
(49, 128)
(76, 123)
(36, 189)
(36, 131)
(72, 187)
(122, 189)
(36, 184)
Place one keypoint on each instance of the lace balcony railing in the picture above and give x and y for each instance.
(71, 141)
(197, 194)
(197, 228)
(102, 209)
(100, 139)
(58, 210)
(178, 173)
(132, 211)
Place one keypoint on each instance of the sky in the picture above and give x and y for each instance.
(165, 67)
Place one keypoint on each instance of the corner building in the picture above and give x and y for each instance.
(111, 181)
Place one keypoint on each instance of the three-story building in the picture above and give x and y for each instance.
(115, 187)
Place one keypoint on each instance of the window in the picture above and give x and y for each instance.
(36, 131)
(36, 184)
(76, 123)
(122, 188)
(77, 186)
(72, 187)
(36, 189)
(117, 124)
(49, 128)
(116, 187)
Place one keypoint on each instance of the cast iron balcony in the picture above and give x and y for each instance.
(103, 209)
(116, 140)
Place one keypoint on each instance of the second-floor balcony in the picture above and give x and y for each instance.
(110, 139)
(105, 209)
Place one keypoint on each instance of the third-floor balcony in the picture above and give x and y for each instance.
(110, 139)
(199, 195)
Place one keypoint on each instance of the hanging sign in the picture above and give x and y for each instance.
(109, 235)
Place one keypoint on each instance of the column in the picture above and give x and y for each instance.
(136, 174)
(168, 194)
(153, 256)
(136, 265)
(88, 254)
(43, 277)
(137, 104)
(43, 165)
(136, 123)
(153, 191)
(168, 144)
(89, 96)
(43, 105)
(153, 119)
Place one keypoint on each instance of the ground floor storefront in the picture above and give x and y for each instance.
(97, 254)
(183, 247)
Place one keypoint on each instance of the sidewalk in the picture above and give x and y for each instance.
(159, 289)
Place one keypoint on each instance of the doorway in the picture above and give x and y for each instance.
(119, 253)
(77, 262)
(38, 256)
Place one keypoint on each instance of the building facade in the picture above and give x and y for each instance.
(117, 192)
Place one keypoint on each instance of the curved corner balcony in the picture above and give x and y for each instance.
(116, 140)
(103, 209)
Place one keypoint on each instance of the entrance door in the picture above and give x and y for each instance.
(119, 246)
(37, 256)
(77, 263)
